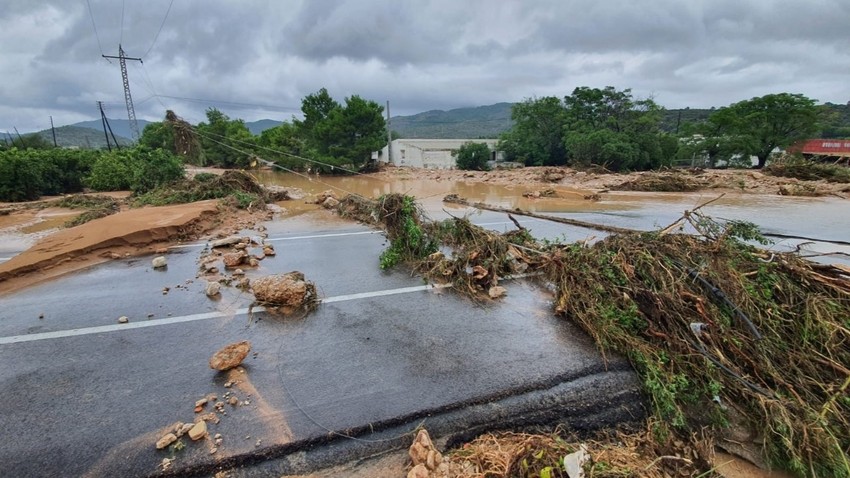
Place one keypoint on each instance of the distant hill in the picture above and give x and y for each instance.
(80, 137)
(257, 127)
(477, 122)
(120, 127)
(676, 118)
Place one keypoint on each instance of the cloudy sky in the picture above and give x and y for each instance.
(256, 59)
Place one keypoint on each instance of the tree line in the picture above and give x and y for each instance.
(332, 137)
(604, 127)
(610, 128)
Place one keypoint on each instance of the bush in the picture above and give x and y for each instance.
(473, 156)
(20, 176)
(154, 168)
(139, 170)
(111, 172)
(28, 174)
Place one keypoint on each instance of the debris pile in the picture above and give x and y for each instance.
(239, 188)
(552, 175)
(724, 335)
(607, 454)
(667, 182)
(799, 168)
(96, 206)
(542, 193)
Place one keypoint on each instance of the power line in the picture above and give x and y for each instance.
(160, 29)
(147, 77)
(332, 166)
(233, 103)
(272, 163)
(91, 15)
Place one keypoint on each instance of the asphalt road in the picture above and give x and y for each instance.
(383, 354)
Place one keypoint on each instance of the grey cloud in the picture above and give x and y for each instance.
(420, 54)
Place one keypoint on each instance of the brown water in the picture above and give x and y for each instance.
(826, 219)
(430, 192)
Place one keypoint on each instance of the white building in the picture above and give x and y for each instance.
(430, 153)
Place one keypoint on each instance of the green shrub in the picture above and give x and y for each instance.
(28, 174)
(473, 156)
(204, 177)
(154, 168)
(20, 176)
(139, 170)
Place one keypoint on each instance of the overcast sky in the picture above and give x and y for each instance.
(257, 59)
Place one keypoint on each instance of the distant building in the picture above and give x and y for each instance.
(430, 153)
(833, 149)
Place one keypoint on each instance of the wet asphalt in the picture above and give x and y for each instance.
(349, 380)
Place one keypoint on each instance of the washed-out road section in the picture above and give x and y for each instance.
(384, 354)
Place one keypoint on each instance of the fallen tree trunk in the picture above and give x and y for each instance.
(455, 199)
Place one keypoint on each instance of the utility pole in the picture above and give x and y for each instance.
(23, 146)
(103, 123)
(389, 137)
(53, 129)
(131, 112)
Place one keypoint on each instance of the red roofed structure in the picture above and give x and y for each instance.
(829, 148)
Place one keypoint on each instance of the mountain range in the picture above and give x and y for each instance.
(475, 122)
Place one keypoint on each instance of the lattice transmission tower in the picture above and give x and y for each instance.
(131, 111)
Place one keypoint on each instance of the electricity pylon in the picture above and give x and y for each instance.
(131, 112)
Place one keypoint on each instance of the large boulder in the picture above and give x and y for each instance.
(289, 291)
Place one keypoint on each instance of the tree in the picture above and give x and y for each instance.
(223, 140)
(536, 138)
(157, 135)
(769, 122)
(316, 108)
(282, 144)
(341, 135)
(473, 156)
(608, 127)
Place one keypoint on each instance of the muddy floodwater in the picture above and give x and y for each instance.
(820, 225)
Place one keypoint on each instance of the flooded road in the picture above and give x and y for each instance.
(820, 225)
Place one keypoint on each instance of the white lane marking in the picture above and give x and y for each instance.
(15, 339)
(381, 293)
(295, 238)
(339, 234)
(194, 317)
(320, 236)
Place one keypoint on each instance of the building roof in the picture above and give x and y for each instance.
(441, 143)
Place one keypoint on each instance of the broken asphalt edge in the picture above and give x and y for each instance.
(600, 399)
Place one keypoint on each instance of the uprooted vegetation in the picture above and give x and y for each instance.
(804, 169)
(96, 207)
(613, 454)
(244, 190)
(725, 336)
(666, 182)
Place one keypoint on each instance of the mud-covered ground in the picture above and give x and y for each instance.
(740, 180)
(28, 226)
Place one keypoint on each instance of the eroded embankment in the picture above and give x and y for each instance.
(130, 232)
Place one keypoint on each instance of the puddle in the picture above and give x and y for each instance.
(54, 222)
